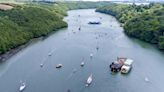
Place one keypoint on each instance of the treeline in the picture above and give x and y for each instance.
(24, 22)
(83, 5)
(145, 22)
(63, 7)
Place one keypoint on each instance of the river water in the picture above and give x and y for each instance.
(70, 47)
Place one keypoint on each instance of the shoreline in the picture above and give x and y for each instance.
(122, 25)
(4, 57)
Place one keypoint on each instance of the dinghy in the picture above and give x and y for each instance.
(59, 66)
(82, 64)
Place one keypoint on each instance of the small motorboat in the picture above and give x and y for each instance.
(89, 80)
(91, 55)
(22, 87)
(41, 65)
(59, 66)
(49, 54)
(82, 64)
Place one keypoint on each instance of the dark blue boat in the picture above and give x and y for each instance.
(116, 66)
(94, 23)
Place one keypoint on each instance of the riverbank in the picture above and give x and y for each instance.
(144, 22)
(23, 23)
(12, 52)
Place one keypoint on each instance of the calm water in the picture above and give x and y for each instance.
(71, 47)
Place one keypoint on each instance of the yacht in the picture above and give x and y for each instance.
(89, 80)
(22, 87)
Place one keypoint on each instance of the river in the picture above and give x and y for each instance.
(70, 47)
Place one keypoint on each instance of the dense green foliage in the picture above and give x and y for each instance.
(83, 5)
(145, 22)
(113, 9)
(20, 24)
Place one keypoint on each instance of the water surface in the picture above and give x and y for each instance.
(70, 46)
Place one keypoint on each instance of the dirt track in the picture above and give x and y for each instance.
(5, 7)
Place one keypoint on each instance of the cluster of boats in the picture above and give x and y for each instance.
(122, 64)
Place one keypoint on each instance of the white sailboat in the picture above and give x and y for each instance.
(22, 87)
(89, 80)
